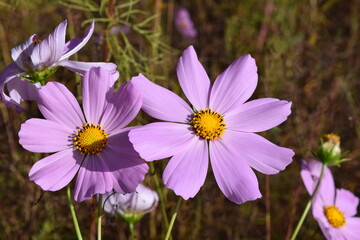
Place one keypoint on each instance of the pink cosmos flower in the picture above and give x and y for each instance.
(37, 59)
(184, 24)
(219, 126)
(94, 145)
(333, 210)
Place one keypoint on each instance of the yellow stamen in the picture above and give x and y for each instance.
(334, 216)
(36, 41)
(331, 137)
(208, 124)
(90, 139)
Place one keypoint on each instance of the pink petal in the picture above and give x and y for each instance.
(56, 171)
(258, 152)
(161, 103)
(97, 89)
(232, 173)
(347, 202)
(93, 178)
(258, 115)
(193, 79)
(21, 53)
(58, 104)
(82, 67)
(40, 56)
(160, 140)
(186, 171)
(235, 85)
(54, 43)
(122, 108)
(22, 90)
(9, 73)
(351, 230)
(41, 135)
(76, 44)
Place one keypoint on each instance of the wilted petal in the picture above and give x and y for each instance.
(22, 90)
(21, 53)
(193, 79)
(97, 89)
(161, 103)
(56, 171)
(235, 85)
(76, 44)
(160, 140)
(82, 67)
(54, 44)
(258, 115)
(58, 104)
(41, 135)
(232, 173)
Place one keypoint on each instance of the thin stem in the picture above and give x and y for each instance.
(132, 232)
(99, 217)
(308, 205)
(173, 219)
(159, 192)
(73, 214)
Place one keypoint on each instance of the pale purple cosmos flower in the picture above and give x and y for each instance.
(184, 24)
(37, 59)
(219, 126)
(131, 206)
(94, 145)
(333, 209)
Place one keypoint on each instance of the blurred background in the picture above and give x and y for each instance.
(307, 52)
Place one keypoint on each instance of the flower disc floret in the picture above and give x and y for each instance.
(208, 124)
(334, 216)
(90, 139)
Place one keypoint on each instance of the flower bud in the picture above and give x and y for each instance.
(132, 206)
(330, 151)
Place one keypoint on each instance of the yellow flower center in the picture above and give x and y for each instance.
(90, 139)
(36, 41)
(331, 137)
(334, 216)
(208, 124)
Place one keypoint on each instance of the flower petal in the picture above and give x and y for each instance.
(54, 44)
(41, 135)
(21, 53)
(235, 85)
(193, 79)
(22, 90)
(124, 163)
(97, 89)
(161, 103)
(76, 44)
(233, 175)
(93, 178)
(351, 230)
(347, 202)
(82, 67)
(58, 104)
(9, 73)
(160, 140)
(57, 170)
(258, 152)
(122, 108)
(258, 115)
(310, 174)
(186, 171)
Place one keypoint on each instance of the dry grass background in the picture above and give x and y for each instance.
(307, 52)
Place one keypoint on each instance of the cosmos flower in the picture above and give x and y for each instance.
(36, 59)
(333, 209)
(219, 126)
(131, 206)
(184, 24)
(93, 145)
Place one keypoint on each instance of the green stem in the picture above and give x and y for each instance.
(173, 219)
(159, 191)
(308, 205)
(73, 214)
(132, 232)
(99, 217)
